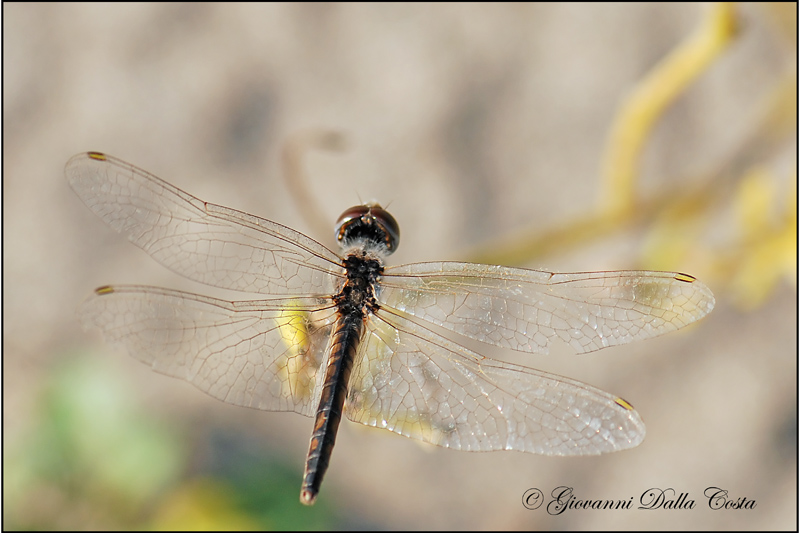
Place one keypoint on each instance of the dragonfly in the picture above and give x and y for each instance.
(344, 334)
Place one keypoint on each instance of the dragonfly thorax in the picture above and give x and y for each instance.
(358, 292)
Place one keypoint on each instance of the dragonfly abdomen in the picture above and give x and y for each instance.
(344, 346)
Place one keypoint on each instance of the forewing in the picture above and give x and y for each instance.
(528, 310)
(414, 382)
(208, 243)
(261, 354)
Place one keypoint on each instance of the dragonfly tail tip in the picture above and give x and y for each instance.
(308, 497)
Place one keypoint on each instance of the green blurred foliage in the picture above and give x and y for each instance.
(93, 458)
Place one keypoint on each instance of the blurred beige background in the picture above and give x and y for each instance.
(473, 122)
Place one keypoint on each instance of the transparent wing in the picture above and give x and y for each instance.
(202, 241)
(414, 382)
(261, 354)
(528, 310)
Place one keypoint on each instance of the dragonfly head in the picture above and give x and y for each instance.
(369, 225)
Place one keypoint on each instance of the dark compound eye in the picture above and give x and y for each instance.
(389, 225)
(349, 215)
(368, 223)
